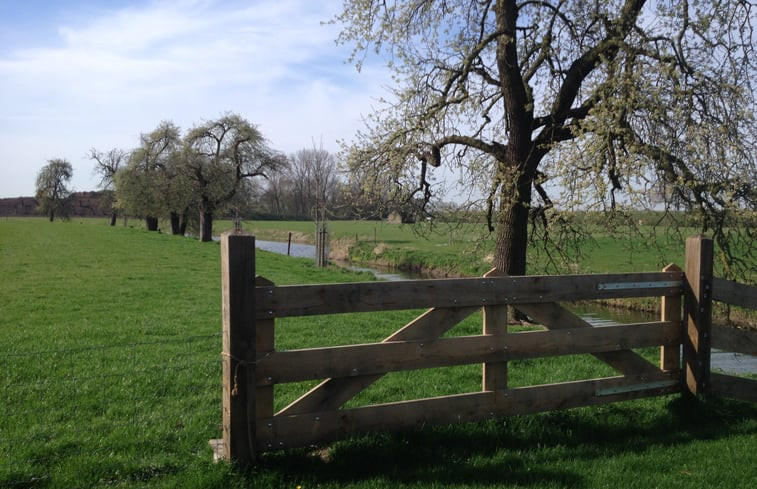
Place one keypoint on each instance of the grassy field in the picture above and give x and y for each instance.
(110, 369)
(463, 249)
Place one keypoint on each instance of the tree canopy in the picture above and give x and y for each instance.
(551, 107)
(218, 157)
(52, 190)
(146, 186)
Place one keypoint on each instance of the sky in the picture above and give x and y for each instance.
(82, 74)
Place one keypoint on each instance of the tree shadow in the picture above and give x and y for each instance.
(501, 453)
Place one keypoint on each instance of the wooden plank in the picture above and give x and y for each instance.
(732, 339)
(554, 316)
(305, 429)
(494, 374)
(333, 393)
(238, 313)
(264, 345)
(733, 387)
(670, 354)
(734, 293)
(698, 311)
(304, 300)
(379, 358)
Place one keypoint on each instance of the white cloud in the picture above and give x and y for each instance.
(104, 79)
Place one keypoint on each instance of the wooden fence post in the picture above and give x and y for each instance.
(495, 323)
(238, 310)
(670, 355)
(698, 310)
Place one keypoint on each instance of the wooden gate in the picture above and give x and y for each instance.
(252, 365)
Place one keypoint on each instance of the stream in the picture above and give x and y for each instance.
(728, 362)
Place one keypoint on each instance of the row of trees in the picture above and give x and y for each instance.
(204, 172)
(212, 170)
(188, 179)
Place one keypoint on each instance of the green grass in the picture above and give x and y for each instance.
(463, 249)
(110, 376)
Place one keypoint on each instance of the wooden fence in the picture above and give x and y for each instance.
(252, 365)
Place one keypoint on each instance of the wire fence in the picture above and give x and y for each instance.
(140, 406)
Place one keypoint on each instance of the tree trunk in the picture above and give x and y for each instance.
(183, 224)
(113, 218)
(512, 226)
(151, 223)
(52, 216)
(206, 226)
(175, 223)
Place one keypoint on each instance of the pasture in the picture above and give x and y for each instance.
(110, 368)
(465, 249)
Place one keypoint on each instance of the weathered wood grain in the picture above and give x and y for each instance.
(494, 318)
(734, 293)
(736, 340)
(670, 354)
(306, 429)
(304, 300)
(698, 311)
(238, 339)
(554, 316)
(733, 387)
(379, 358)
(332, 393)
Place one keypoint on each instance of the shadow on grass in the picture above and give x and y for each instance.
(546, 450)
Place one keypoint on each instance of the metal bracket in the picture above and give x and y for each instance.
(638, 285)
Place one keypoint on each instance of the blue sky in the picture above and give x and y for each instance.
(81, 74)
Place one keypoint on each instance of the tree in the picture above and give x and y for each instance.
(52, 192)
(145, 186)
(313, 173)
(107, 165)
(218, 156)
(560, 105)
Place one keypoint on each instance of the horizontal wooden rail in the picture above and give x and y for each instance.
(305, 300)
(377, 358)
(305, 429)
(736, 340)
(734, 293)
(733, 387)
(252, 366)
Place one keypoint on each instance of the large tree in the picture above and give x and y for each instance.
(107, 165)
(145, 186)
(218, 157)
(52, 190)
(555, 105)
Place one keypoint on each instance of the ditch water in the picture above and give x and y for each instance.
(728, 362)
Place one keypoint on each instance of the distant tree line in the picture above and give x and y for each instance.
(224, 167)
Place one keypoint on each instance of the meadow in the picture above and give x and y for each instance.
(464, 249)
(111, 377)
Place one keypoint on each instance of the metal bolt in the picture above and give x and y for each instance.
(270, 425)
